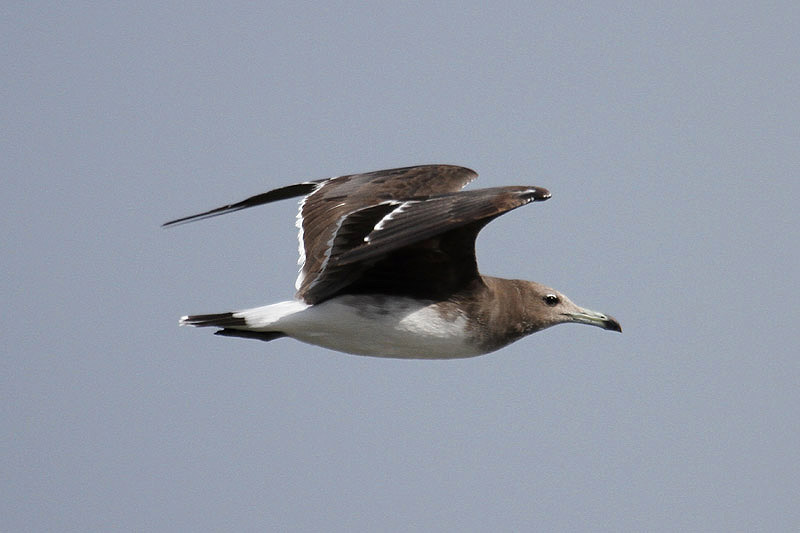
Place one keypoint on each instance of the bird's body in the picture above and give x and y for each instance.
(388, 269)
(386, 326)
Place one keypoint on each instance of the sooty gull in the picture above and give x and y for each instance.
(388, 269)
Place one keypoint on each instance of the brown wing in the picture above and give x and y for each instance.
(345, 208)
(290, 191)
(423, 246)
(405, 230)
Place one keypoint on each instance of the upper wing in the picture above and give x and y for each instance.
(422, 245)
(388, 228)
(290, 191)
(352, 192)
(342, 210)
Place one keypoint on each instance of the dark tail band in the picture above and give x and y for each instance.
(219, 320)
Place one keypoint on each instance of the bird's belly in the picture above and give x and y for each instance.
(383, 326)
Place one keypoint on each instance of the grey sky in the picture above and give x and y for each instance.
(669, 137)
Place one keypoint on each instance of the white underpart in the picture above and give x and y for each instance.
(301, 246)
(367, 325)
(389, 216)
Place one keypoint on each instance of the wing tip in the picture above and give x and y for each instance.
(537, 194)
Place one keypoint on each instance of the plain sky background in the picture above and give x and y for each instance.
(668, 133)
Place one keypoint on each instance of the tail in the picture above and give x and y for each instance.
(261, 323)
(218, 320)
(229, 321)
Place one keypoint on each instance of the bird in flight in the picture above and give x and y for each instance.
(388, 269)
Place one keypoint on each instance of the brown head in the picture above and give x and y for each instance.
(544, 307)
(518, 308)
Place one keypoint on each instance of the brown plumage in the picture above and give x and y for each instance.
(405, 233)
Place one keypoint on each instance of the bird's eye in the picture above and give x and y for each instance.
(551, 299)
